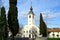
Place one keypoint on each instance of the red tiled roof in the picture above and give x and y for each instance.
(54, 30)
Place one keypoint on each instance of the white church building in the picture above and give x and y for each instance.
(30, 30)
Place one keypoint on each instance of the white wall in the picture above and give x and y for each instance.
(55, 35)
(31, 28)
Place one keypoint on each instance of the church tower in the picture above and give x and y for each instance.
(31, 16)
(30, 30)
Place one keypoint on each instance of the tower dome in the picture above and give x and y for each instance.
(31, 11)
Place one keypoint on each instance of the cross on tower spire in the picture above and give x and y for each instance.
(31, 6)
(31, 9)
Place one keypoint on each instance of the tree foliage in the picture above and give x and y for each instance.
(12, 17)
(3, 25)
(43, 27)
(13, 2)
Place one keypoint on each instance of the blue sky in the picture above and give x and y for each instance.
(49, 8)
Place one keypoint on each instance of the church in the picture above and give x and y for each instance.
(30, 30)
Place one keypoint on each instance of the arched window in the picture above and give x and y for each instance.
(29, 36)
(26, 31)
(29, 16)
(36, 31)
(53, 35)
(57, 35)
(29, 31)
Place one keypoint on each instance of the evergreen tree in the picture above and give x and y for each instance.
(43, 27)
(13, 2)
(3, 25)
(12, 18)
(0, 27)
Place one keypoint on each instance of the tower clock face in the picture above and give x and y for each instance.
(30, 16)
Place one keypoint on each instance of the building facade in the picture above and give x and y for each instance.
(54, 33)
(30, 30)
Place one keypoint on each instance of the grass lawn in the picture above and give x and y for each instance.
(53, 38)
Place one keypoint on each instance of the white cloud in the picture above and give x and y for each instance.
(54, 15)
(49, 14)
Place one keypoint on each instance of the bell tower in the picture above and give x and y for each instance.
(31, 16)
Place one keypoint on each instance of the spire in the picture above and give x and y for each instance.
(31, 9)
(31, 6)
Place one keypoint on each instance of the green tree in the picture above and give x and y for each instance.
(43, 27)
(13, 2)
(12, 18)
(3, 25)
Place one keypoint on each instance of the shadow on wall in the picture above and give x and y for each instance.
(18, 38)
(41, 38)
